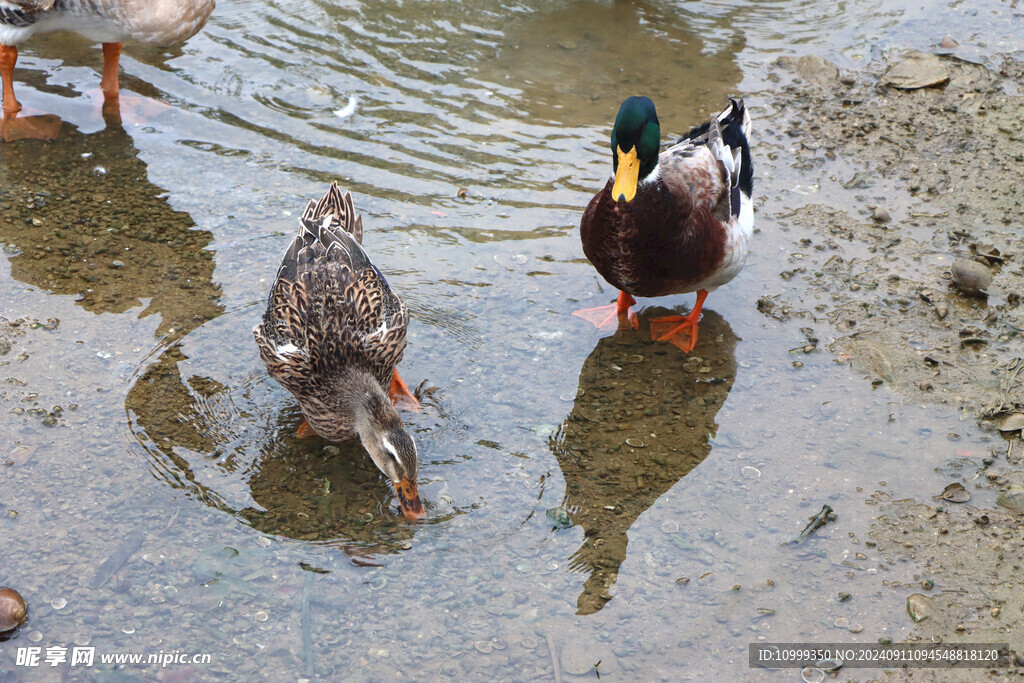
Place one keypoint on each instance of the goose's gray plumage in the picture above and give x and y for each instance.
(110, 22)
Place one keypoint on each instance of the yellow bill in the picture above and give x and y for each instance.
(626, 176)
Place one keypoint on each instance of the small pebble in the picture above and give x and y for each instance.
(1012, 423)
(13, 610)
(919, 607)
(880, 215)
(1012, 499)
(830, 665)
(956, 493)
(812, 674)
(971, 277)
(559, 517)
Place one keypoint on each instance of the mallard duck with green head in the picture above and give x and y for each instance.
(670, 223)
(332, 335)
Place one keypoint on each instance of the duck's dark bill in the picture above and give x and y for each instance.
(409, 499)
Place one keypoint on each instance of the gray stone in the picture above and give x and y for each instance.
(914, 69)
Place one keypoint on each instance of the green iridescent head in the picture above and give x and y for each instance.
(636, 141)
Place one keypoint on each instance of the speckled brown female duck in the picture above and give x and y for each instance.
(672, 223)
(332, 335)
(110, 22)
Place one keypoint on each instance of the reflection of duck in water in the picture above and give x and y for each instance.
(209, 426)
(91, 225)
(332, 336)
(673, 222)
(109, 22)
(329, 500)
(638, 426)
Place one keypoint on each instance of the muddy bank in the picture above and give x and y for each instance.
(890, 188)
(934, 178)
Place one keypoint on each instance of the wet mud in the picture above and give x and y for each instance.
(895, 187)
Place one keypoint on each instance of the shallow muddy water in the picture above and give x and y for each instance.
(596, 503)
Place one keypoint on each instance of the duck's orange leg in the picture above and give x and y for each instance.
(678, 329)
(608, 317)
(305, 431)
(400, 394)
(44, 127)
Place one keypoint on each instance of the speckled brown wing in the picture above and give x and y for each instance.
(330, 307)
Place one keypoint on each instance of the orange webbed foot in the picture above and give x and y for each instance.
(400, 394)
(305, 431)
(677, 330)
(614, 316)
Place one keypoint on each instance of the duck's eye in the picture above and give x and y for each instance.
(390, 449)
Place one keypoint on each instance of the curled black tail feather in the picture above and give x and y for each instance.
(730, 123)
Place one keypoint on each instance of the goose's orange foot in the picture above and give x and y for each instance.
(118, 108)
(14, 127)
(400, 394)
(40, 127)
(612, 316)
(128, 109)
(305, 431)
